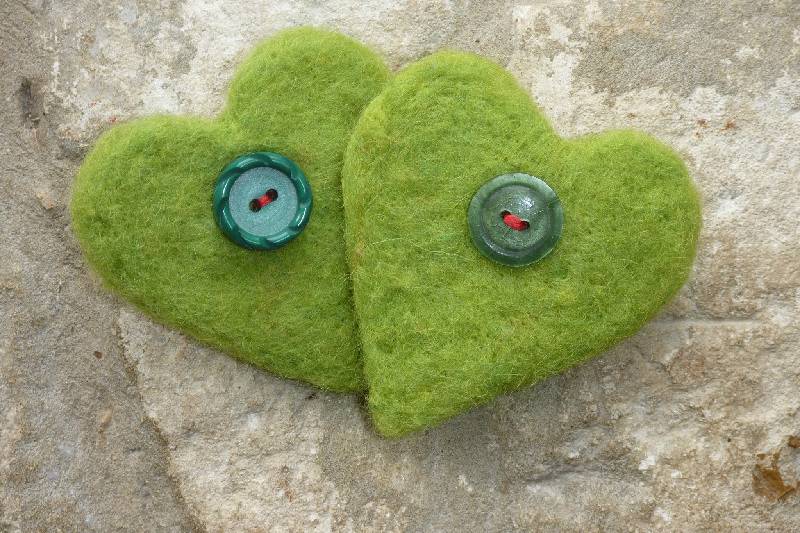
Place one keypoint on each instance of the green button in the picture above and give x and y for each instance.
(515, 219)
(262, 201)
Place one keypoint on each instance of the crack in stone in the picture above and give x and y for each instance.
(130, 369)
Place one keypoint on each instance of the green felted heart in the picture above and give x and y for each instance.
(443, 328)
(142, 211)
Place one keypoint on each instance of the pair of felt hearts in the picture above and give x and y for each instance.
(384, 291)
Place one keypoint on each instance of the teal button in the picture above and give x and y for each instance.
(515, 219)
(262, 200)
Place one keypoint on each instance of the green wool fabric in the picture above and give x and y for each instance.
(141, 209)
(442, 327)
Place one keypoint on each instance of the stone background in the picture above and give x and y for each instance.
(110, 422)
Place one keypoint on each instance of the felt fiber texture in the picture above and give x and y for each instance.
(141, 209)
(443, 328)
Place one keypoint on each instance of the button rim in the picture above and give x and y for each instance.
(228, 177)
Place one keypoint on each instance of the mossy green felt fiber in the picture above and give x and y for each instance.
(142, 211)
(443, 328)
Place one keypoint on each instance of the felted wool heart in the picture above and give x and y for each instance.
(444, 328)
(142, 211)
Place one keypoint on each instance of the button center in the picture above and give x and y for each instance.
(256, 204)
(514, 222)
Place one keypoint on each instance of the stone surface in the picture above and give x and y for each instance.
(110, 422)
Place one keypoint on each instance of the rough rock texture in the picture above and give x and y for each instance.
(109, 422)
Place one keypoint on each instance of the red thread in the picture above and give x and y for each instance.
(514, 222)
(268, 197)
